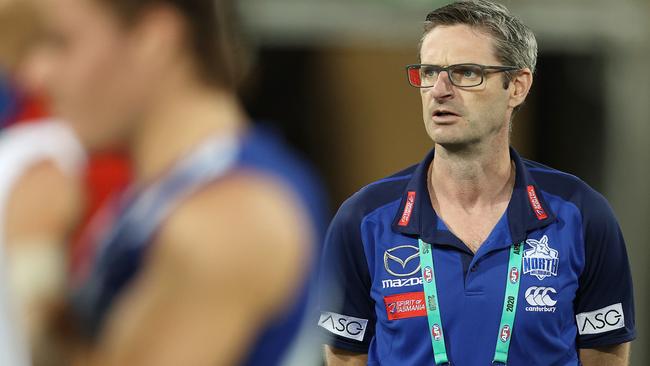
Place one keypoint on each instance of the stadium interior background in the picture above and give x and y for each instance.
(330, 76)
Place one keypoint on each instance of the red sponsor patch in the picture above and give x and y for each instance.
(406, 305)
(408, 209)
(534, 203)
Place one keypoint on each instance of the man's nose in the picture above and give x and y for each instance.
(442, 87)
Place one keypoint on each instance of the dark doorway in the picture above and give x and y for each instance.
(569, 114)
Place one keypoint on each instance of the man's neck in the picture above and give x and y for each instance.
(475, 177)
(178, 121)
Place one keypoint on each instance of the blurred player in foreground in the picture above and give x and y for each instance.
(40, 199)
(206, 259)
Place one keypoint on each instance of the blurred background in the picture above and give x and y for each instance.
(331, 75)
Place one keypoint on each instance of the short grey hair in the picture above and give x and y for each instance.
(514, 42)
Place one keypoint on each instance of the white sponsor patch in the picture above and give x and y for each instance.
(397, 259)
(540, 299)
(541, 261)
(602, 320)
(401, 282)
(343, 325)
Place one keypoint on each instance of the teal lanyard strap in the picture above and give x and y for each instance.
(509, 305)
(433, 309)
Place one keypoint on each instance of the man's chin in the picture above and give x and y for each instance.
(444, 139)
(452, 143)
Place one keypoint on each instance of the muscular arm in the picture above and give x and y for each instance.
(339, 357)
(227, 260)
(617, 355)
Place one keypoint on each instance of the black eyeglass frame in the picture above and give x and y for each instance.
(440, 69)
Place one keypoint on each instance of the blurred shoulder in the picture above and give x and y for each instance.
(44, 201)
(237, 227)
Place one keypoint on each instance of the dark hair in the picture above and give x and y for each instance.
(514, 42)
(212, 33)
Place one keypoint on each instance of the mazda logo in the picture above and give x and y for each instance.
(409, 253)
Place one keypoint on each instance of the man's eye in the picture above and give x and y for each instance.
(467, 72)
(428, 72)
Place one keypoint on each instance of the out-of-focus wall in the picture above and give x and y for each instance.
(370, 122)
(374, 115)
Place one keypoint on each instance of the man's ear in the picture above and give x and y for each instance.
(159, 35)
(521, 84)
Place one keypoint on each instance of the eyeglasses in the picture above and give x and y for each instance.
(461, 75)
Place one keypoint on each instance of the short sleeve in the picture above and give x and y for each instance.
(346, 310)
(604, 304)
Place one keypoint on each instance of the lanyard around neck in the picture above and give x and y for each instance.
(433, 308)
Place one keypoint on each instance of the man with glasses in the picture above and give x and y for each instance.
(475, 256)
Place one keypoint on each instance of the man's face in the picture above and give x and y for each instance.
(88, 67)
(455, 116)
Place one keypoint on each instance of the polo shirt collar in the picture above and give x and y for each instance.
(526, 212)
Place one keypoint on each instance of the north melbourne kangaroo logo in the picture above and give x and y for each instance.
(541, 261)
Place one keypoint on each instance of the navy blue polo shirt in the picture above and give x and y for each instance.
(576, 287)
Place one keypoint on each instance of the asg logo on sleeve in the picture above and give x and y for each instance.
(343, 325)
(541, 261)
(602, 320)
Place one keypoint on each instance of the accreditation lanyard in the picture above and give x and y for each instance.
(433, 308)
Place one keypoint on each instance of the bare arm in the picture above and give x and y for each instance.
(618, 355)
(226, 261)
(339, 357)
(43, 208)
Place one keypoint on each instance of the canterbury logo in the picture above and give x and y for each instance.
(539, 296)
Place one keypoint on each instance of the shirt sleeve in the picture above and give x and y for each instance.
(346, 309)
(604, 304)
